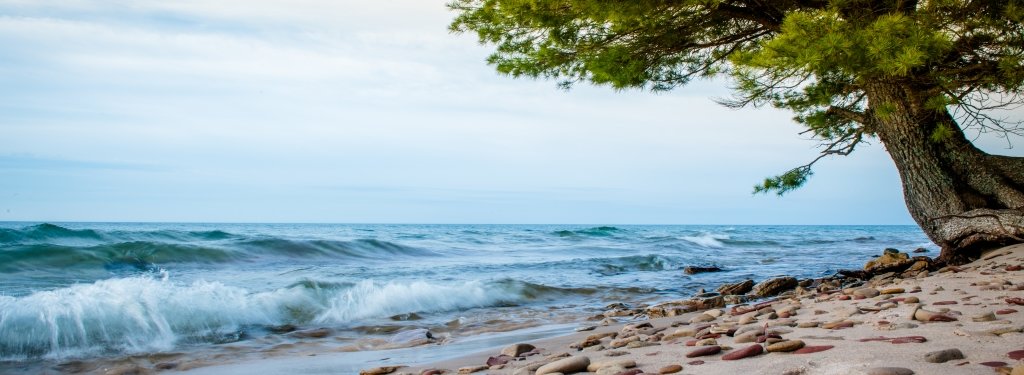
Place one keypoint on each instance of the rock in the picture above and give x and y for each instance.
(516, 350)
(785, 346)
(472, 369)
(1005, 311)
(566, 366)
(749, 351)
(920, 250)
(1018, 369)
(741, 287)
(893, 291)
(702, 318)
(381, 370)
(703, 351)
(808, 324)
(911, 300)
(985, 317)
(670, 369)
(931, 316)
(813, 349)
(866, 292)
(1016, 354)
(838, 325)
(412, 337)
(433, 371)
(692, 270)
(943, 356)
(624, 363)
(774, 286)
(635, 371)
(890, 257)
(499, 360)
(889, 371)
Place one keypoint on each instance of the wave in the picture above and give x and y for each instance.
(149, 255)
(636, 263)
(51, 233)
(147, 314)
(711, 240)
(46, 232)
(602, 231)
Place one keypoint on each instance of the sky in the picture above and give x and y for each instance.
(370, 111)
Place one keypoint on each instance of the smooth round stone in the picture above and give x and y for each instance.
(670, 369)
(516, 350)
(749, 351)
(1016, 354)
(808, 324)
(911, 300)
(785, 346)
(566, 366)
(703, 351)
(942, 356)
(893, 291)
(985, 317)
(866, 292)
(624, 363)
(889, 371)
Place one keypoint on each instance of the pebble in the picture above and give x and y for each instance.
(566, 366)
(813, 349)
(785, 346)
(808, 324)
(670, 369)
(631, 372)
(703, 351)
(743, 353)
(1005, 311)
(943, 356)
(889, 371)
(1016, 354)
(911, 300)
(985, 317)
(893, 291)
(866, 292)
(838, 325)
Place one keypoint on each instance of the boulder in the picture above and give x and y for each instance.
(741, 287)
(774, 286)
(516, 350)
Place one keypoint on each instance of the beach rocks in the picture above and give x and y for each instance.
(866, 292)
(703, 351)
(785, 346)
(889, 371)
(692, 270)
(622, 363)
(890, 257)
(741, 287)
(813, 349)
(1016, 354)
(774, 286)
(749, 351)
(942, 356)
(569, 365)
(472, 369)
(670, 369)
(932, 316)
(516, 350)
(383, 370)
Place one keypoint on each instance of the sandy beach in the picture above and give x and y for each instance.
(953, 320)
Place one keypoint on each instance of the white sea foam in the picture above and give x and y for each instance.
(373, 299)
(145, 314)
(706, 239)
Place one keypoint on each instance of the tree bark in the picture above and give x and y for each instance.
(964, 199)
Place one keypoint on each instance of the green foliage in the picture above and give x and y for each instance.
(817, 59)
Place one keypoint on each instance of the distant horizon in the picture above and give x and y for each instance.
(54, 222)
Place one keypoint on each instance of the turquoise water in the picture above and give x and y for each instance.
(100, 290)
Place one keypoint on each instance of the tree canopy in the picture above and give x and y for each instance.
(913, 74)
(811, 57)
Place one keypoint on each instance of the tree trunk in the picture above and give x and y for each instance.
(964, 199)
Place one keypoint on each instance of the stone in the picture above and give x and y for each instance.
(1016, 354)
(985, 317)
(1005, 311)
(741, 287)
(1018, 369)
(635, 371)
(774, 286)
(383, 370)
(808, 324)
(318, 333)
(516, 350)
(838, 325)
(471, 369)
(785, 346)
(702, 318)
(893, 291)
(931, 316)
(624, 363)
(889, 371)
(749, 351)
(569, 365)
(703, 351)
(813, 349)
(692, 270)
(866, 292)
(888, 259)
(499, 360)
(942, 356)
(670, 369)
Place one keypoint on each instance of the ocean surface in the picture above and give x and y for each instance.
(88, 291)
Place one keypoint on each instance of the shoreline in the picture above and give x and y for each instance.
(873, 328)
